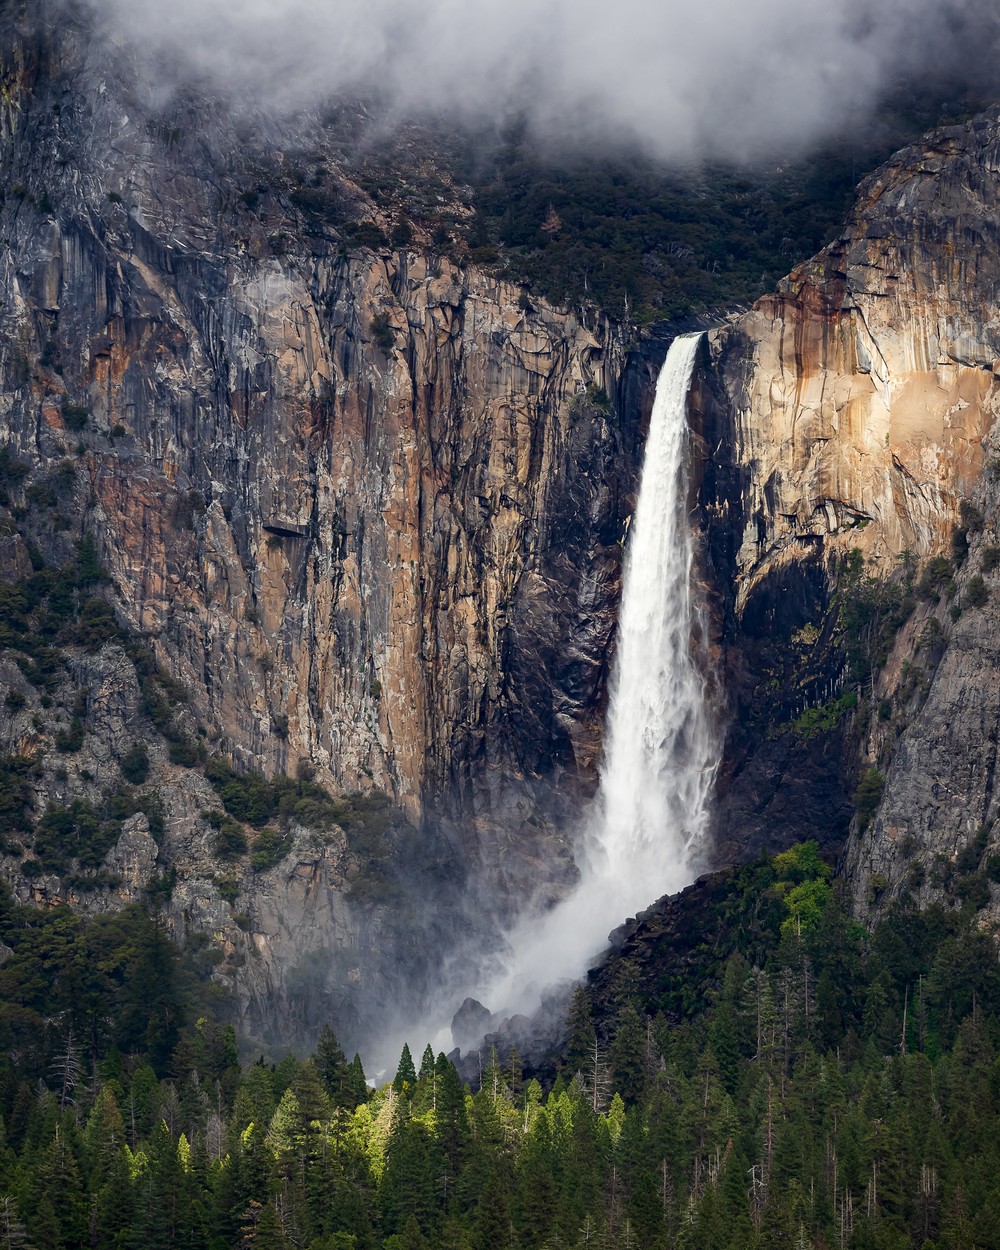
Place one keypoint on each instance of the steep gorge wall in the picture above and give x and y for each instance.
(366, 506)
(855, 409)
(376, 470)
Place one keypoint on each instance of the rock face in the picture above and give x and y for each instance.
(854, 409)
(365, 505)
(860, 394)
(935, 833)
(360, 502)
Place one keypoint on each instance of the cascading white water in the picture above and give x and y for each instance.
(641, 836)
(659, 746)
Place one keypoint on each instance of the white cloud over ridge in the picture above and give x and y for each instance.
(722, 77)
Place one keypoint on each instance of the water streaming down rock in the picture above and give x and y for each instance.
(660, 751)
(641, 838)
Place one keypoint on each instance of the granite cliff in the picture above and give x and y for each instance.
(362, 504)
(854, 411)
(311, 541)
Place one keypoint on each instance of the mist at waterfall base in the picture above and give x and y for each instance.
(644, 834)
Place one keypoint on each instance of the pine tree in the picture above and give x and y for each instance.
(268, 1233)
(515, 1074)
(254, 1102)
(408, 1182)
(425, 1094)
(355, 1085)
(493, 1223)
(451, 1126)
(596, 1076)
(411, 1238)
(151, 1015)
(536, 1192)
(262, 1227)
(246, 1180)
(331, 1064)
(161, 1207)
(46, 1229)
(310, 1095)
(626, 1057)
(492, 1079)
(66, 1070)
(406, 1073)
(194, 1105)
(142, 1105)
(581, 1035)
(56, 1178)
(113, 1204)
(285, 1132)
(724, 1038)
(104, 1136)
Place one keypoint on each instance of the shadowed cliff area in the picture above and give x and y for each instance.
(313, 508)
(360, 509)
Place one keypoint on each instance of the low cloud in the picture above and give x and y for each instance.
(728, 78)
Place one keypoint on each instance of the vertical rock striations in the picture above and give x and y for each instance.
(365, 504)
(853, 410)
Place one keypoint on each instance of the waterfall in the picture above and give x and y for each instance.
(659, 747)
(641, 838)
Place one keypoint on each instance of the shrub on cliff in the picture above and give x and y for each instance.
(17, 793)
(977, 593)
(135, 764)
(382, 332)
(249, 797)
(74, 833)
(230, 839)
(269, 849)
(94, 626)
(245, 796)
(867, 796)
(937, 578)
(803, 886)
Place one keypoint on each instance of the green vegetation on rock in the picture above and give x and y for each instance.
(867, 796)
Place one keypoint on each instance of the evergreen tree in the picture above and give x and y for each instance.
(254, 1102)
(451, 1128)
(56, 1179)
(406, 1073)
(493, 1223)
(627, 1055)
(409, 1182)
(142, 1105)
(268, 1233)
(194, 1106)
(356, 1085)
(112, 1205)
(582, 1037)
(331, 1064)
(13, 1234)
(536, 1194)
(163, 1218)
(104, 1136)
(245, 1181)
(425, 1095)
(411, 1238)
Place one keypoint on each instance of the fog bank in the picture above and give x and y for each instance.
(734, 78)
